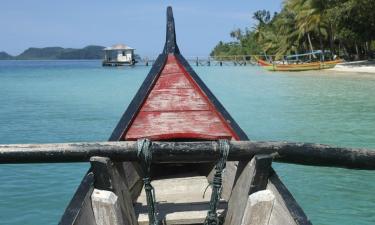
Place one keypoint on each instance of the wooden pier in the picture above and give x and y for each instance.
(232, 60)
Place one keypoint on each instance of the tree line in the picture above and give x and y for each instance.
(340, 27)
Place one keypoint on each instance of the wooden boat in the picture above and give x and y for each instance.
(173, 104)
(298, 67)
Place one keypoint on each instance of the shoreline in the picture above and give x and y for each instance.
(364, 66)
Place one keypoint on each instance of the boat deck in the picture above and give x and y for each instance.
(183, 200)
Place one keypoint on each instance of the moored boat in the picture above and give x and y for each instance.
(173, 104)
(298, 67)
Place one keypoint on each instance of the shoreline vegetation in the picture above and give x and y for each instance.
(57, 53)
(345, 28)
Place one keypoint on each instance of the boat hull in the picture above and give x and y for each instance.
(173, 88)
(298, 67)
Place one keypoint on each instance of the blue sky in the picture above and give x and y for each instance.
(140, 23)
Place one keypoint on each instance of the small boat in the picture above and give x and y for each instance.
(173, 104)
(298, 66)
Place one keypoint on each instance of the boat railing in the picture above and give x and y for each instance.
(177, 152)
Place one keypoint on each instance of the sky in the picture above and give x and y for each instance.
(200, 24)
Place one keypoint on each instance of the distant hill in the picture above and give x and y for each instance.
(4, 56)
(88, 52)
(41, 53)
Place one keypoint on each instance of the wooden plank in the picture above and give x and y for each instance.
(183, 200)
(108, 177)
(106, 208)
(167, 113)
(239, 134)
(172, 80)
(138, 99)
(79, 208)
(259, 208)
(171, 66)
(185, 99)
(86, 215)
(207, 151)
(286, 209)
(170, 125)
(132, 177)
(251, 177)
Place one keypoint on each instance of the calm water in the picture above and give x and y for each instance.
(65, 101)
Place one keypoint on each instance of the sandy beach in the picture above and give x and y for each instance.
(364, 66)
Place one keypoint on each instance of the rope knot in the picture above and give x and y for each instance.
(217, 183)
(145, 155)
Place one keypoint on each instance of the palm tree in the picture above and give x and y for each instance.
(237, 34)
(309, 17)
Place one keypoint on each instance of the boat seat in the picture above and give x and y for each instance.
(180, 200)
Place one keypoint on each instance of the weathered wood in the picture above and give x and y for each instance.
(251, 177)
(280, 213)
(133, 179)
(262, 171)
(178, 110)
(286, 209)
(132, 109)
(108, 177)
(170, 42)
(106, 208)
(238, 133)
(86, 215)
(182, 200)
(173, 125)
(259, 208)
(163, 152)
(79, 208)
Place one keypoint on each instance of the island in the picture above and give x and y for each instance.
(56, 53)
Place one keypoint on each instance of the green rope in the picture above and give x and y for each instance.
(212, 218)
(145, 155)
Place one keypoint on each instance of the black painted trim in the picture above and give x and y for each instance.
(294, 208)
(170, 46)
(230, 121)
(75, 205)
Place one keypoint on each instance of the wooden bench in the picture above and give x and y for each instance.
(179, 201)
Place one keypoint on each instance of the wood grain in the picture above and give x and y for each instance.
(251, 176)
(184, 124)
(205, 151)
(108, 176)
(177, 108)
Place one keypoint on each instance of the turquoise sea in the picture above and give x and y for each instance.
(66, 101)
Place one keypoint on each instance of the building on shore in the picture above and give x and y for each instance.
(119, 55)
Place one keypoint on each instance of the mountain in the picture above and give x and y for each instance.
(41, 53)
(4, 56)
(88, 52)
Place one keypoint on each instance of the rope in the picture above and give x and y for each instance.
(145, 155)
(212, 218)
